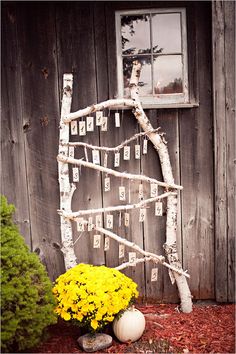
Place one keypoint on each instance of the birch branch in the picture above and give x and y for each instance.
(116, 148)
(142, 203)
(156, 258)
(98, 107)
(66, 159)
(136, 261)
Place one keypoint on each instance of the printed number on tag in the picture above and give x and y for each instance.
(132, 258)
(104, 124)
(127, 153)
(96, 241)
(158, 209)
(106, 244)
(145, 142)
(122, 193)
(140, 192)
(107, 184)
(117, 159)
(98, 220)
(117, 119)
(121, 251)
(80, 224)
(74, 127)
(75, 172)
(126, 219)
(110, 221)
(90, 223)
(137, 152)
(90, 124)
(154, 190)
(96, 157)
(154, 274)
(82, 128)
(142, 214)
(71, 151)
(99, 116)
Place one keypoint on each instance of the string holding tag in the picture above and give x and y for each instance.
(73, 127)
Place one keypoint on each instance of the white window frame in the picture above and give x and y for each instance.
(175, 99)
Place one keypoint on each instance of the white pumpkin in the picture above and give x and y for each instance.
(130, 326)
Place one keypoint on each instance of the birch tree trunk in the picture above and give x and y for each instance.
(66, 189)
(171, 222)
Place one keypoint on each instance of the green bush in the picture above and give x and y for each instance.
(27, 302)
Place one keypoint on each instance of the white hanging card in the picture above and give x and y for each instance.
(109, 221)
(172, 278)
(73, 127)
(82, 128)
(142, 214)
(140, 192)
(158, 208)
(104, 124)
(107, 184)
(137, 152)
(96, 241)
(132, 258)
(121, 251)
(99, 220)
(154, 274)
(126, 219)
(105, 159)
(96, 157)
(80, 224)
(126, 153)
(71, 151)
(153, 190)
(145, 142)
(106, 244)
(117, 119)
(90, 124)
(99, 115)
(120, 219)
(122, 193)
(75, 172)
(90, 223)
(117, 159)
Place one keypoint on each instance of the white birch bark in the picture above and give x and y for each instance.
(171, 223)
(66, 189)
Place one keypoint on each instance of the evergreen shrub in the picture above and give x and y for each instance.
(27, 302)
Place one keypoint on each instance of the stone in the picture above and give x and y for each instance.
(92, 342)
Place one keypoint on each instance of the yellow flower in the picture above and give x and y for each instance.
(94, 324)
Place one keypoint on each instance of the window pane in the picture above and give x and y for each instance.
(166, 33)
(145, 81)
(168, 75)
(135, 34)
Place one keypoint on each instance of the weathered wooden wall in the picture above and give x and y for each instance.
(40, 42)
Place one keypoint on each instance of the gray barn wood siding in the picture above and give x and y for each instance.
(43, 40)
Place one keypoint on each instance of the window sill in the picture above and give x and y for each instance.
(160, 106)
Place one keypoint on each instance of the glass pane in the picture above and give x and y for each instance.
(135, 34)
(145, 82)
(168, 74)
(166, 33)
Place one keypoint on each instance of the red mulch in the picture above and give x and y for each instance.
(208, 329)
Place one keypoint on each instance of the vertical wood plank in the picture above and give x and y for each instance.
(36, 33)
(229, 9)
(196, 163)
(13, 171)
(220, 141)
(76, 53)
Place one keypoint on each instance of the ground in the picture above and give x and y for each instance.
(208, 329)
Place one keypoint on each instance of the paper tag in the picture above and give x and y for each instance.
(140, 192)
(126, 153)
(122, 193)
(105, 160)
(117, 119)
(109, 221)
(96, 241)
(137, 152)
(98, 220)
(104, 124)
(126, 219)
(73, 127)
(107, 184)
(90, 124)
(106, 244)
(145, 143)
(158, 208)
(154, 274)
(121, 251)
(82, 128)
(142, 214)
(172, 278)
(132, 258)
(80, 224)
(71, 151)
(117, 159)
(96, 157)
(75, 172)
(153, 190)
(90, 223)
(99, 115)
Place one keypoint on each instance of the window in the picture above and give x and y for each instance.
(157, 38)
